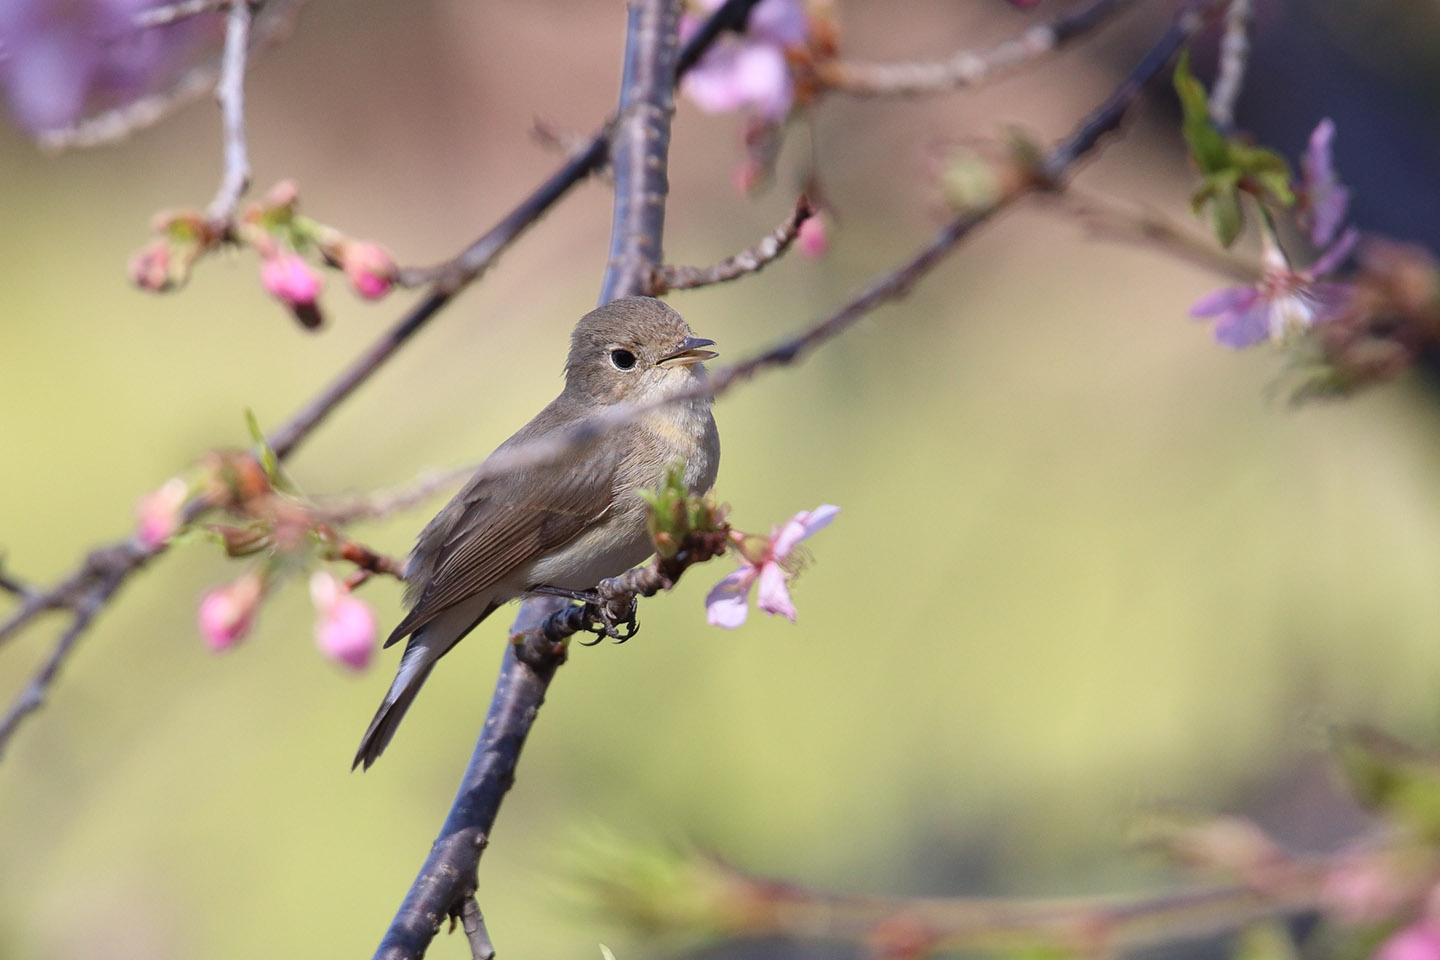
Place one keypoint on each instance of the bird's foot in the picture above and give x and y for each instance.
(614, 616)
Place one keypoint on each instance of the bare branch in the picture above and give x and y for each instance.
(918, 927)
(1234, 58)
(372, 506)
(965, 69)
(230, 91)
(751, 260)
(171, 12)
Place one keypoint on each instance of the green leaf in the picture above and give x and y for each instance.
(605, 952)
(1207, 145)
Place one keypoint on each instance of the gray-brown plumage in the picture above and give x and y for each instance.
(568, 524)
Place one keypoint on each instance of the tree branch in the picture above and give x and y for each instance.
(230, 91)
(751, 260)
(964, 69)
(1234, 58)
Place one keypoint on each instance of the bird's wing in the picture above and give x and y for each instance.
(498, 525)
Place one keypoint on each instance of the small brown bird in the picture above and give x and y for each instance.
(565, 525)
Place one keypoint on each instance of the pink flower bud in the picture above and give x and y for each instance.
(814, 237)
(370, 269)
(157, 514)
(345, 631)
(150, 267)
(227, 613)
(290, 280)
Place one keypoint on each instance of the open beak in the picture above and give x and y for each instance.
(692, 350)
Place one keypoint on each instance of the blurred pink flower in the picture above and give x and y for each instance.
(770, 563)
(370, 269)
(1327, 199)
(814, 237)
(1284, 302)
(1419, 941)
(157, 514)
(227, 613)
(289, 279)
(749, 71)
(345, 631)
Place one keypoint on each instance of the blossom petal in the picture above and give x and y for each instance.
(727, 603)
(1329, 200)
(780, 22)
(800, 526)
(1331, 259)
(763, 78)
(1224, 300)
(774, 596)
(1244, 328)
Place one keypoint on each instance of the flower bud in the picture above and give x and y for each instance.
(345, 631)
(150, 267)
(290, 280)
(813, 239)
(157, 514)
(369, 267)
(227, 613)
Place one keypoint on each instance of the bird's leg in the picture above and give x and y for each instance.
(584, 596)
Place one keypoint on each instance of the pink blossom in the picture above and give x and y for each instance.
(370, 269)
(1284, 302)
(157, 514)
(150, 267)
(345, 631)
(1419, 941)
(227, 613)
(750, 72)
(772, 564)
(813, 239)
(289, 279)
(1327, 199)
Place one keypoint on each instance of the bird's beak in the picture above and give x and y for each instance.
(692, 350)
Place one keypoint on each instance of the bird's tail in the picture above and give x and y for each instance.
(415, 667)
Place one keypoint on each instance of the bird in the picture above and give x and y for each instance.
(568, 524)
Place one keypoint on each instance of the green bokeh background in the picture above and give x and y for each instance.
(1083, 563)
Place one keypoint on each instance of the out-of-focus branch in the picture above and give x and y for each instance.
(230, 91)
(160, 15)
(721, 902)
(751, 260)
(968, 68)
(342, 510)
(1106, 219)
(1234, 58)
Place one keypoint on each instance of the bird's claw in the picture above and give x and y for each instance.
(614, 619)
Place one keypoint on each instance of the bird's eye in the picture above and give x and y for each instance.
(622, 358)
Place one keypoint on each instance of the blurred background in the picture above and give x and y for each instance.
(1086, 561)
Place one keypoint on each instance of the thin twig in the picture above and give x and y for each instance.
(968, 68)
(171, 12)
(1234, 58)
(342, 510)
(1106, 219)
(751, 260)
(474, 923)
(230, 91)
